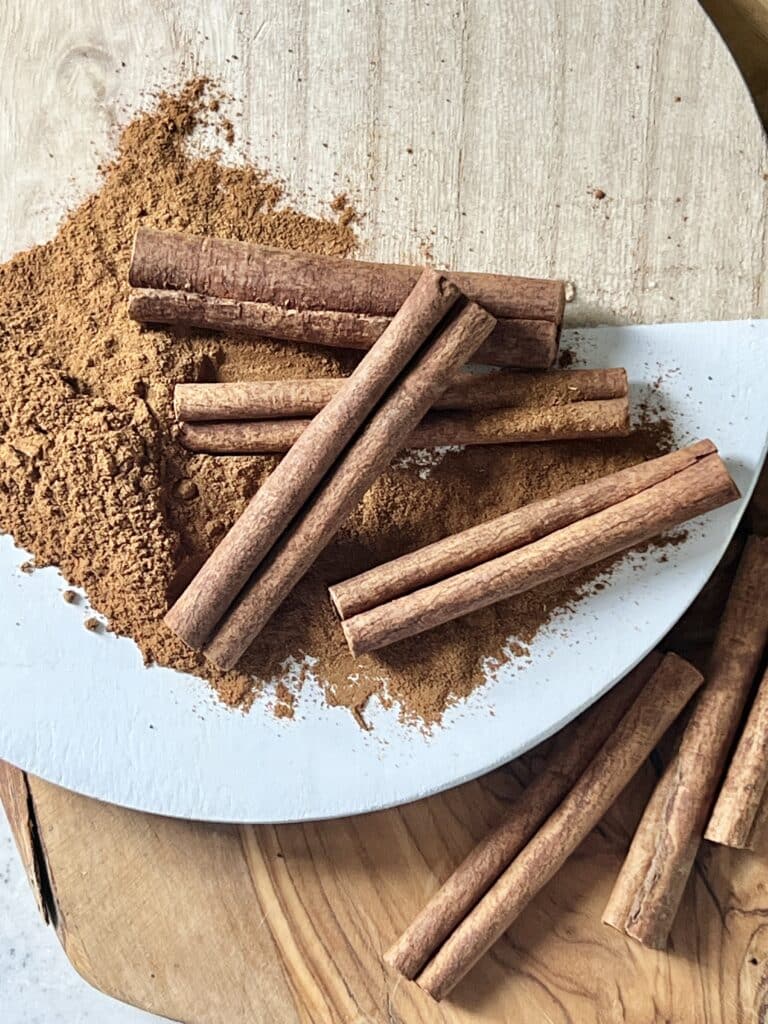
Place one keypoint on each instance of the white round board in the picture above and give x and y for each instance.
(80, 709)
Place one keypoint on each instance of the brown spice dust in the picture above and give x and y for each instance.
(92, 480)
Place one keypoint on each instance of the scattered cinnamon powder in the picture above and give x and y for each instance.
(92, 480)
(93, 625)
(285, 702)
(70, 596)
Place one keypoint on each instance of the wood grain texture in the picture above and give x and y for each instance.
(477, 130)
(741, 795)
(16, 801)
(288, 924)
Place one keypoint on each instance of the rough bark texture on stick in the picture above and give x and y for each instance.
(650, 884)
(557, 387)
(365, 460)
(277, 502)
(574, 748)
(229, 269)
(328, 327)
(607, 417)
(700, 488)
(622, 754)
(738, 803)
(253, 400)
(519, 343)
(503, 534)
(303, 397)
(642, 849)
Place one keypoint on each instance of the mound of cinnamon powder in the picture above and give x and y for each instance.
(92, 480)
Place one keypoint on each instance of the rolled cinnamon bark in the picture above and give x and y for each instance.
(523, 344)
(700, 488)
(505, 533)
(229, 269)
(650, 884)
(741, 795)
(368, 456)
(276, 503)
(622, 754)
(293, 399)
(329, 327)
(574, 748)
(642, 850)
(604, 418)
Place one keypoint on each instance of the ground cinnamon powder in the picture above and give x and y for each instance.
(92, 480)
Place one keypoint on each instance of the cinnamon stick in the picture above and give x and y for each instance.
(741, 795)
(305, 397)
(700, 488)
(622, 754)
(603, 418)
(229, 269)
(650, 885)
(277, 502)
(505, 533)
(520, 343)
(574, 748)
(366, 459)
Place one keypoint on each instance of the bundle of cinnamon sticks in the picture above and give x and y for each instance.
(258, 417)
(685, 807)
(326, 472)
(592, 760)
(586, 772)
(532, 545)
(338, 435)
(253, 291)
(417, 331)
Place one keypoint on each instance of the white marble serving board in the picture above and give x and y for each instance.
(81, 710)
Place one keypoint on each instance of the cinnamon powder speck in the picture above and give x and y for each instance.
(92, 479)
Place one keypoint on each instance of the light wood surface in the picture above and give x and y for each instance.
(209, 925)
(477, 131)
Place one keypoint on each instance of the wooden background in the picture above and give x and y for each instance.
(476, 130)
(287, 924)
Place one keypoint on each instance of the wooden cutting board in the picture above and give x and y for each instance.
(222, 925)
